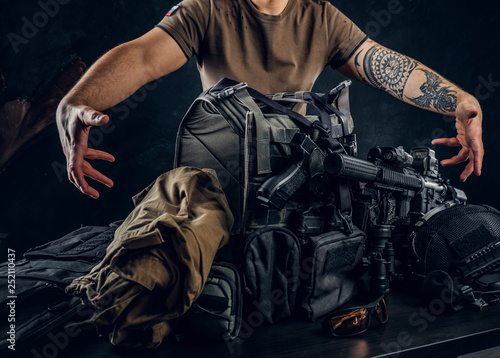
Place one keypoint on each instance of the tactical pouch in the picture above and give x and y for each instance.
(271, 272)
(217, 312)
(329, 271)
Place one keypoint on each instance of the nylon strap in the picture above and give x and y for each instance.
(297, 117)
(263, 134)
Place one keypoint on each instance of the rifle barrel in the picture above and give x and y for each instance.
(347, 167)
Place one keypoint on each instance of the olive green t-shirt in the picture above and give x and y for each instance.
(283, 53)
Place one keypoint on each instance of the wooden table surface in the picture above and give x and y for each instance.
(412, 331)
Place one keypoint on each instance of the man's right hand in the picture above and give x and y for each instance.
(74, 123)
(111, 79)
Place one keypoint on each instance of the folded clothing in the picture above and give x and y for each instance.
(160, 257)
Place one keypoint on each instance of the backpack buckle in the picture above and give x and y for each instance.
(332, 95)
(321, 128)
(230, 91)
(346, 219)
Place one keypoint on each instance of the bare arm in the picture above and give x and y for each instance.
(113, 78)
(416, 84)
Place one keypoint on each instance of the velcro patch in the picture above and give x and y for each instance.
(172, 10)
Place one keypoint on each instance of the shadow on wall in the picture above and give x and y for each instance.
(21, 121)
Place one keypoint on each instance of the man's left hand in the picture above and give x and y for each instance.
(469, 137)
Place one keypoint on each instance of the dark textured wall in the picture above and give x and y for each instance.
(456, 38)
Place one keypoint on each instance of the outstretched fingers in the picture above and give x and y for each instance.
(469, 136)
(76, 176)
(90, 172)
(79, 168)
(461, 157)
(477, 154)
(474, 154)
(450, 142)
(473, 166)
(470, 117)
(99, 154)
(469, 169)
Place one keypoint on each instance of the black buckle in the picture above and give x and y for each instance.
(346, 221)
(332, 95)
(230, 91)
(321, 128)
(473, 298)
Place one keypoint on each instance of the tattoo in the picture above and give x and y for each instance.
(357, 66)
(386, 69)
(434, 94)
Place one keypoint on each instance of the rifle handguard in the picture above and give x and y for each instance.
(347, 167)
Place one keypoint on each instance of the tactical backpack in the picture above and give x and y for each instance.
(293, 238)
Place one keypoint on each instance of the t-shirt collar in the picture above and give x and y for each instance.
(253, 10)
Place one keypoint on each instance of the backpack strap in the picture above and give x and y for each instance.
(263, 133)
(320, 130)
(228, 87)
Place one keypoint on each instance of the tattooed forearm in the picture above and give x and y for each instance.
(434, 94)
(386, 69)
(391, 71)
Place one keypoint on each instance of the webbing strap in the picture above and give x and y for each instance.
(262, 135)
(344, 205)
(326, 123)
(227, 88)
(321, 102)
(336, 130)
(283, 135)
(297, 117)
(316, 102)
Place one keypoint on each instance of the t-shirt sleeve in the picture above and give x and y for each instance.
(186, 23)
(344, 36)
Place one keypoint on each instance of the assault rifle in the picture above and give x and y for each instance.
(393, 190)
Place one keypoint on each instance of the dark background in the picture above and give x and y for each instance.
(459, 39)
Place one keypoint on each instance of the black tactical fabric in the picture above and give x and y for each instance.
(217, 313)
(463, 240)
(330, 271)
(40, 279)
